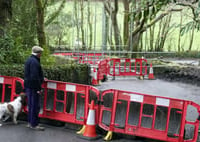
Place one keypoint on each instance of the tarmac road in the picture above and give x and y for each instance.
(19, 133)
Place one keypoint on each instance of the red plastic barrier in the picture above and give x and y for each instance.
(147, 116)
(102, 69)
(127, 67)
(70, 101)
(10, 87)
(62, 101)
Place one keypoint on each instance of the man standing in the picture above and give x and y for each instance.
(33, 79)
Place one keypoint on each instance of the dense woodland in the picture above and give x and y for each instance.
(25, 23)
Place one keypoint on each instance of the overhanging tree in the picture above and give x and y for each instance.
(145, 14)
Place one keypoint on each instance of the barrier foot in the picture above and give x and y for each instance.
(108, 137)
(81, 131)
(141, 77)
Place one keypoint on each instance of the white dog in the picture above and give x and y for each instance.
(12, 109)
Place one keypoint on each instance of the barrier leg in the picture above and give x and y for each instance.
(82, 130)
(141, 77)
(108, 137)
(113, 77)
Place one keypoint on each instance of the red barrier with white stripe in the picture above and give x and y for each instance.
(147, 116)
(70, 101)
(127, 67)
(10, 87)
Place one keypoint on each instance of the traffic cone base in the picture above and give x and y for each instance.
(90, 127)
(94, 82)
(90, 131)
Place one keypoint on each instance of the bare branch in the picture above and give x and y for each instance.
(160, 17)
(108, 7)
(192, 5)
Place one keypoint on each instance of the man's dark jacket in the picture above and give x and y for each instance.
(33, 74)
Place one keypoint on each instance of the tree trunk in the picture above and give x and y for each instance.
(90, 26)
(151, 41)
(118, 41)
(179, 36)
(105, 29)
(126, 21)
(113, 13)
(157, 43)
(5, 14)
(40, 24)
(165, 32)
(191, 38)
(135, 43)
(82, 25)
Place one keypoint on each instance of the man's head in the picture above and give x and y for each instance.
(37, 50)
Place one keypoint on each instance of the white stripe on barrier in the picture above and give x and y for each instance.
(2, 80)
(132, 60)
(162, 102)
(70, 87)
(91, 117)
(137, 98)
(122, 60)
(51, 85)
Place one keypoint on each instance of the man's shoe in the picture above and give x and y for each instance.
(28, 125)
(38, 128)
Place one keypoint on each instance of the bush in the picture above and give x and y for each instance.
(76, 73)
(11, 51)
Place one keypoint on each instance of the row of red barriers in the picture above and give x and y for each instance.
(117, 111)
(84, 58)
(101, 68)
(119, 67)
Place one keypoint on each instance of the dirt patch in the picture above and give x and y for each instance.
(179, 73)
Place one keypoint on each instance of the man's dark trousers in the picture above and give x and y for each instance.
(33, 106)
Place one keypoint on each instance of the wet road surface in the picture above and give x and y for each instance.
(19, 133)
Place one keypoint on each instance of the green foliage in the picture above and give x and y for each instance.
(76, 73)
(188, 54)
(56, 13)
(188, 26)
(11, 51)
(23, 24)
(12, 70)
(46, 58)
(185, 54)
(58, 30)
